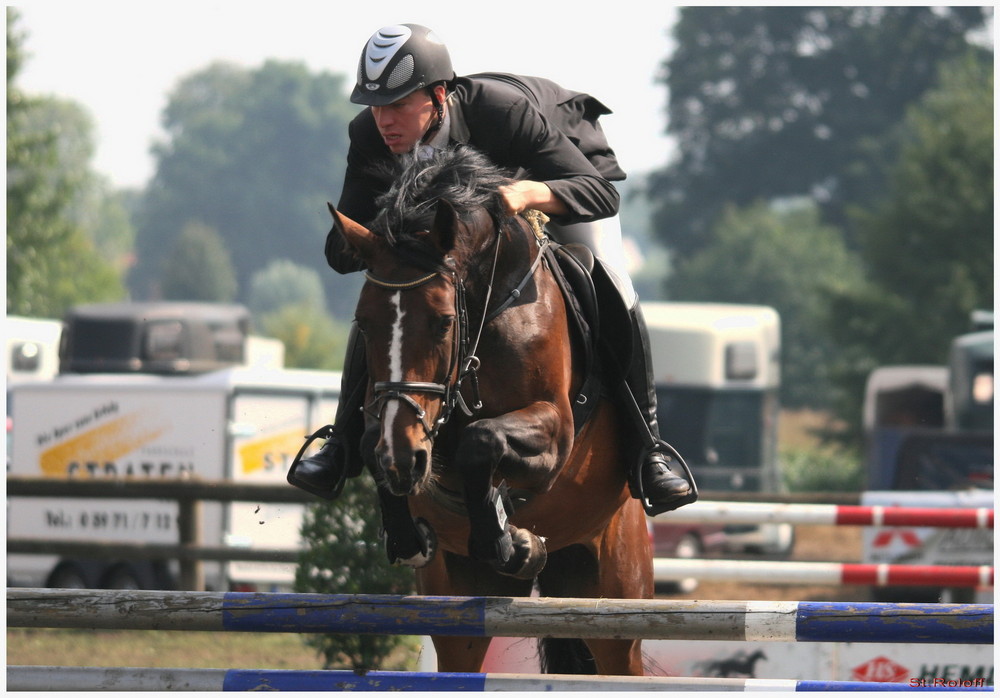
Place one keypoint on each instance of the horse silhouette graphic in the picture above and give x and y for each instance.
(740, 665)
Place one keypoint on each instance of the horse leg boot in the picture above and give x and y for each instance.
(661, 479)
(324, 473)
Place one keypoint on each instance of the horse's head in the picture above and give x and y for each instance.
(411, 313)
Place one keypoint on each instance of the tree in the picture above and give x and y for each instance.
(254, 155)
(312, 339)
(784, 257)
(198, 268)
(345, 555)
(769, 102)
(282, 283)
(51, 263)
(927, 247)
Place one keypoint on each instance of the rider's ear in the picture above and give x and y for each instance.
(360, 239)
(445, 224)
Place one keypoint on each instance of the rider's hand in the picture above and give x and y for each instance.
(527, 194)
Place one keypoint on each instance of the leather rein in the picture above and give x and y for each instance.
(465, 363)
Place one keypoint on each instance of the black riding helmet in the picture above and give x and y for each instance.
(397, 60)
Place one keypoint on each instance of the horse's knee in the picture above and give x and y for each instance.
(480, 443)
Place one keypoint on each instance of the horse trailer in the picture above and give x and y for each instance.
(167, 395)
(717, 372)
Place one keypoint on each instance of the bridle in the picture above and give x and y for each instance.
(465, 363)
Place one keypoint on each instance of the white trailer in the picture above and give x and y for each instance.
(240, 423)
(717, 369)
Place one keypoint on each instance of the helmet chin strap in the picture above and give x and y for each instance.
(436, 126)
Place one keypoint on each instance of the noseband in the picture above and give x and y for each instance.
(464, 362)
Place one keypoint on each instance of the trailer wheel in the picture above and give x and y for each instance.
(68, 575)
(121, 577)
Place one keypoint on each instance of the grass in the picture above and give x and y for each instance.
(163, 649)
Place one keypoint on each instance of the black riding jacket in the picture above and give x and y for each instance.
(526, 124)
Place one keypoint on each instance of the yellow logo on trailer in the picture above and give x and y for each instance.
(277, 450)
(105, 443)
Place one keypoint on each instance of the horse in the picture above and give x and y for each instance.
(741, 665)
(486, 485)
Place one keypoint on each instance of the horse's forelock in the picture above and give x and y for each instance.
(462, 176)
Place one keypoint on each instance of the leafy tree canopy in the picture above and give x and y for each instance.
(778, 101)
(927, 247)
(254, 155)
(198, 267)
(784, 257)
(52, 263)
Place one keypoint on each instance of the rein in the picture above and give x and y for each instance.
(463, 368)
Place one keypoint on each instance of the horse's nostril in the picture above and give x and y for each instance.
(420, 461)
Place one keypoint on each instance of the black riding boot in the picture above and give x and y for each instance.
(661, 479)
(325, 472)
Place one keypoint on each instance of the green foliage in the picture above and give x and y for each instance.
(255, 155)
(821, 470)
(312, 338)
(345, 555)
(778, 101)
(198, 268)
(51, 262)
(283, 282)
(784, 257)
(927, 248)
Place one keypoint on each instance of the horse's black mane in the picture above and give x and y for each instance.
(460, 175)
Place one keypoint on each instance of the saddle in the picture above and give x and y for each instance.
(598, 320)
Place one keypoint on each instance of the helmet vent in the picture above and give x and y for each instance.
(401, 73)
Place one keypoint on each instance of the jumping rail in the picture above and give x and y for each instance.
(829, 514)
(834, 573)
(501, 616)
(49, 678)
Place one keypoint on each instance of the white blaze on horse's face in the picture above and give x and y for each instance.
(395, 366)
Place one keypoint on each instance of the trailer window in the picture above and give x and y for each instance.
(721, 428)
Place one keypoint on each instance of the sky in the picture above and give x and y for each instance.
(120, 59)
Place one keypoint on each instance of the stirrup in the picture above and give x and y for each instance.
(328, 494)
(638, 490)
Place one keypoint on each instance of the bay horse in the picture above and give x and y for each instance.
(486, 484)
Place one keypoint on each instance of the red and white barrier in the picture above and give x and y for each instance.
(828, 514)
(768, 572)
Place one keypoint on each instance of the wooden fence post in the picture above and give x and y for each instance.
(189, 517)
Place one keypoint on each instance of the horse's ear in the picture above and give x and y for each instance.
(359, 238)
(445, 225)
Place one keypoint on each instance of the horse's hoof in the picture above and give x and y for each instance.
(529, 555)
(418, 555)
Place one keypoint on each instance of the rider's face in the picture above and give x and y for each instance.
(404, 122)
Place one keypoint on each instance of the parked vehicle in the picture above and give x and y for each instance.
(717, 373)
(687, 542)
(32, 348)
(929, 442)
(166, 405)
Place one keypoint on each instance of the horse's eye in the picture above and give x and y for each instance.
(361, 324)
(445, 322)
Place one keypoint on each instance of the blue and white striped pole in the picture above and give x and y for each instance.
(778, 621)
(43, 678)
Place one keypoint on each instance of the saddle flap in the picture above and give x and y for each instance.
(576, 262)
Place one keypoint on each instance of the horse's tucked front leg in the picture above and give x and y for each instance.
(529, 444)
(408, 541)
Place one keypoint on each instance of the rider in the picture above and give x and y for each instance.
(530, 125)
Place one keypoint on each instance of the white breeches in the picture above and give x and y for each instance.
(604, 238)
